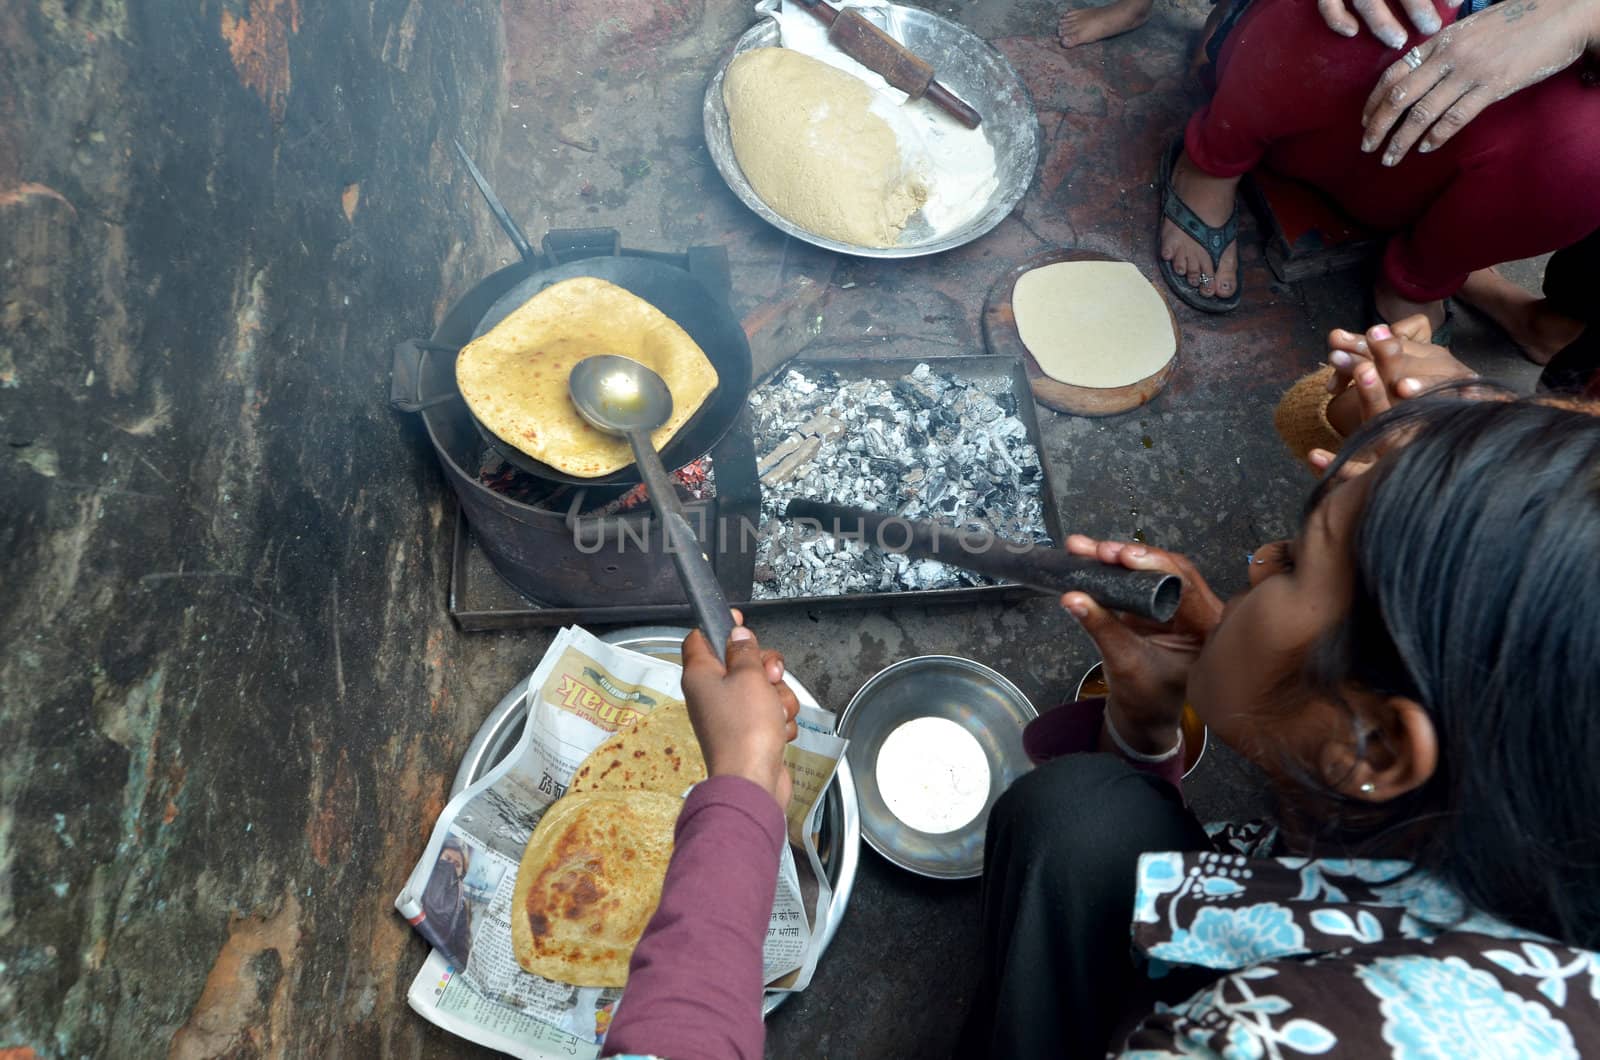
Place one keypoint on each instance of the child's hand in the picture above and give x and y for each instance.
(1146, 664)
(1404, 364)
(744, 715)
(1374, 372)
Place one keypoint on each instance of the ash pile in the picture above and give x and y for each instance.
(925, 446)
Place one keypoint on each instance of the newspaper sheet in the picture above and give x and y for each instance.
(459, 895)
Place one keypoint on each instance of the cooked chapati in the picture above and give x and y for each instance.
(658, 752)
(588, 883)
(514, 377)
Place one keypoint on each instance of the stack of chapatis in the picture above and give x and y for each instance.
(591, 875)
(514, 376)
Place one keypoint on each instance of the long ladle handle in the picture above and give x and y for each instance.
(694, 569)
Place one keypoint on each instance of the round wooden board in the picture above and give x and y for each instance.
(1000, 336)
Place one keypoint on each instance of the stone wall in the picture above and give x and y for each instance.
(223, 706)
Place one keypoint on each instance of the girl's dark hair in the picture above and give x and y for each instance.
(1477, 594)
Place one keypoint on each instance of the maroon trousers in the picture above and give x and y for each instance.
(1522, 179)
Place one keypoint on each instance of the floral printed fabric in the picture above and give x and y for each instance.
(1347, 957)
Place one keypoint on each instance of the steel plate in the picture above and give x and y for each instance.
(981, 701)
(839, 846)
(966, 64)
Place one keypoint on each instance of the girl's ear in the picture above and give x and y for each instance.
(1401, 751)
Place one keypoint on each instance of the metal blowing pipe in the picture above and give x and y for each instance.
(1149, 594)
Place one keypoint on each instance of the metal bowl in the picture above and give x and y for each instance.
(981, 701)
(1195, 734)
(966, 64)
(838, 845)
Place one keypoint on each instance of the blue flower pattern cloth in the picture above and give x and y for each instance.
(1366, 958)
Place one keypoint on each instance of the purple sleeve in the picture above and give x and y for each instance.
(1074, 728)
(694, 985)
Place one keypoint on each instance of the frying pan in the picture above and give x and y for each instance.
(677, 293)
(686, 300)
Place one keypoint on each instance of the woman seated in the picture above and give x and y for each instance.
(1469, 140)
(1415, 677)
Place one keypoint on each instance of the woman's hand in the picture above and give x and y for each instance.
(1468, 65)
(1381, 19)
(743, 715)
(1146, 664)
(1375, 371)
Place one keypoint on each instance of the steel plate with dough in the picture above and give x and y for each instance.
(514, 377)
(589, 881)
(658, 752)
(839, 838)
(969, 66)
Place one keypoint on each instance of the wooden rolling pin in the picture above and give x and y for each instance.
(1147, 593)
(851, 33)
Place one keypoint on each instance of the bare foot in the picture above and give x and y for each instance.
(1538, 330)
(1392, 306)
(1212, 198)
(1088, 24)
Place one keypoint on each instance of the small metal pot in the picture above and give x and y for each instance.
(980, 700)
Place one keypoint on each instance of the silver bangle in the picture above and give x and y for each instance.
(1140, 756)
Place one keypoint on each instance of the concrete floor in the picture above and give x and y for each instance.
(232, 699)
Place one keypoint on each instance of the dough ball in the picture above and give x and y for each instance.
(1093, 323)
(810, 147)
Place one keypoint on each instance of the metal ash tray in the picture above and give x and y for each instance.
(927, 445)
(961, 475)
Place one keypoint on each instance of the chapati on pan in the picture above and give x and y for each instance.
(514, 377)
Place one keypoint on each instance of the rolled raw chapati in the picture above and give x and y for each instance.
(1093, 323)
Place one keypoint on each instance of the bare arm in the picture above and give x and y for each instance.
(1468, 65)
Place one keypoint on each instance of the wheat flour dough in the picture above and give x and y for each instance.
(1093, 323)
(812, 149)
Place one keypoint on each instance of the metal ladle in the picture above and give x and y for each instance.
(622, 396)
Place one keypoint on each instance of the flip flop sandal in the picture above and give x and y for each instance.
(1212, 240)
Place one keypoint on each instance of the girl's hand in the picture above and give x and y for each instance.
(1468, 65)
(1375, 371)
(743, 715)
(1146, 664)
(1380, 19)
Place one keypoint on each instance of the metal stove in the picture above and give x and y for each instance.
(533, 553)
